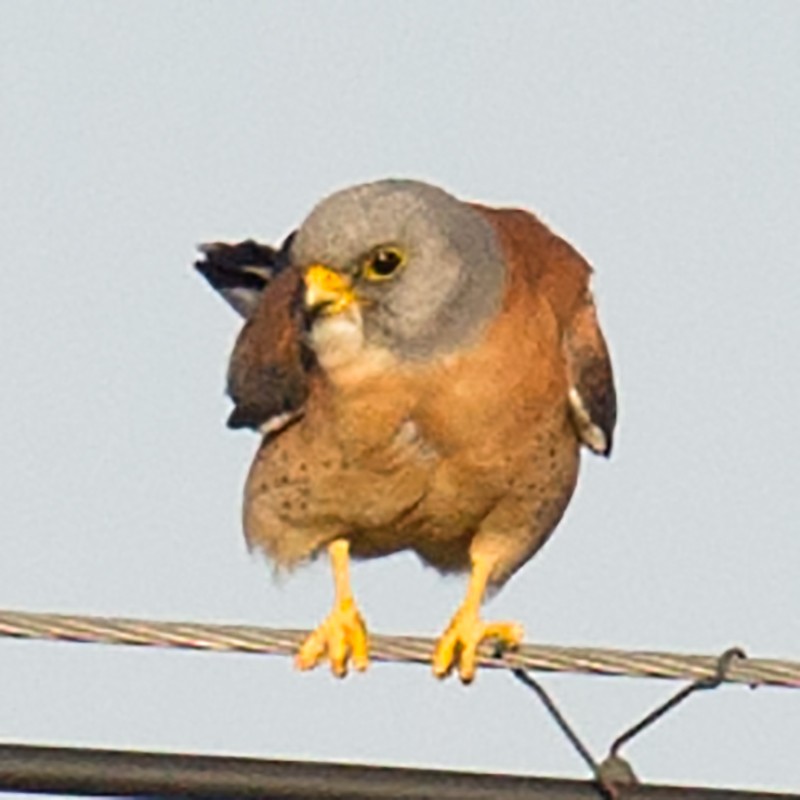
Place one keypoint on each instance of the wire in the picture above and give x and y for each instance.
(408, 649)
(558, 717)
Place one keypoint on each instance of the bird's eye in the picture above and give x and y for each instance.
(383, 263)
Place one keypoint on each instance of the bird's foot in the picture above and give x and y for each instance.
(343, 636)
(458, 645)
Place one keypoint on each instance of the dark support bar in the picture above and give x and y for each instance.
(68, 771)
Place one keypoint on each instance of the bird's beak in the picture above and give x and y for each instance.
(327, 292)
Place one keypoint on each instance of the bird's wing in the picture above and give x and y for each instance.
(240, 272)
(592, 396)
(269, 366)
(562, 275)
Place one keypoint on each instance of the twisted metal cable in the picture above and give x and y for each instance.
(408, 649)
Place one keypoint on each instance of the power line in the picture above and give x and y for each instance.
(611, 775)
(77, 771)
(405, 649)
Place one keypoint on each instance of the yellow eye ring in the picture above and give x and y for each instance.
(383, 263)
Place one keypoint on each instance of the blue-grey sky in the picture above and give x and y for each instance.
(663, 140)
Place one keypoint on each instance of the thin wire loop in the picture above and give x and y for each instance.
(615, 773)
(726, 660)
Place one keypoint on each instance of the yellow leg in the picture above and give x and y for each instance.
(343, 635)
(458, 645)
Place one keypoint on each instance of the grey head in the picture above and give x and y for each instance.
(426, 270)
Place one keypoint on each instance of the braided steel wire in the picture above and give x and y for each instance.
(398, 649)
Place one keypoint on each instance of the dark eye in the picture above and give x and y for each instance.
(383, 263)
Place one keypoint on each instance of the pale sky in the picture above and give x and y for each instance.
(663, 140)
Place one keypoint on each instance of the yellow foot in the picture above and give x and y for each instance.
(458, 645)
(343, 636)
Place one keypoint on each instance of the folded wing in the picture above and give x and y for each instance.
(269, 366)
(557, 271)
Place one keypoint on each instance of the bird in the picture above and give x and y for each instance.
(424, 372)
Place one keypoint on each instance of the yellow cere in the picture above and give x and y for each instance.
(327, 290)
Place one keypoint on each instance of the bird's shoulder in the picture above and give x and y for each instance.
(551, 269)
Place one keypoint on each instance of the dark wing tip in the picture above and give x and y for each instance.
(242, 270)
(246, 264)
(244, 417)
(594, 405)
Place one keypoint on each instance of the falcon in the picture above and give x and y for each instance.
(423, 372)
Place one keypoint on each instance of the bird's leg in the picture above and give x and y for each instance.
(458, 645)
(343, 635)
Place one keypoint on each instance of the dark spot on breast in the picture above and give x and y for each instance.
(286, 505)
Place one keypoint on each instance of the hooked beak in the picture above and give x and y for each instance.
(327, 292)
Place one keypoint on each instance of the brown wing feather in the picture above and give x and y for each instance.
(594, 398)
(562, 275)
(268, 370)
(267, 373)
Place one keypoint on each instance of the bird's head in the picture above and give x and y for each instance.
(398, 267)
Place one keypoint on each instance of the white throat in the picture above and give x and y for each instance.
(339, 345)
